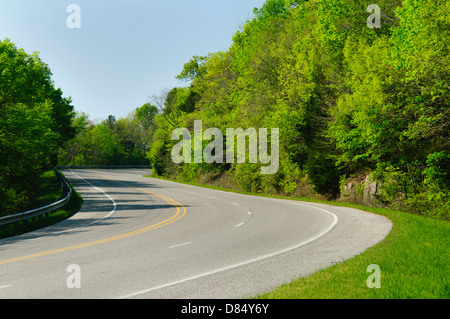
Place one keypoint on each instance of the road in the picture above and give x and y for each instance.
(138, 237)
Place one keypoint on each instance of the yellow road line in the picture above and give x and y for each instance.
(166, 222)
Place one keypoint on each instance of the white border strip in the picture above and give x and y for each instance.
(180, 245)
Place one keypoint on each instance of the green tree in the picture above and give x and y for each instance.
(348, 99)
(192, 69)
(24, 78)
(26, 140)
(145, 116)
(95, 146)
(35, 120)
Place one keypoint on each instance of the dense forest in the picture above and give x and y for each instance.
(352, 102)
(114, 141)
(355, 104)
(35, 122)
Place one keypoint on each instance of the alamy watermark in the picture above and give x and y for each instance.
(235, 139)
(374, 280)
(73, 21)
(74, 279)
(374, 20)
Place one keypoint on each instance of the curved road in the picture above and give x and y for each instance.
(138, 237)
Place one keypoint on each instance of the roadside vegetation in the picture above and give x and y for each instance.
(47, 192)
(35, 121)
(354, 105)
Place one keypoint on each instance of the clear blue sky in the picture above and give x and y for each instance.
(125, 51)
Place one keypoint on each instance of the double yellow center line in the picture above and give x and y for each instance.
(181, 212)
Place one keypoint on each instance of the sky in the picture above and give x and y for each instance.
(124, 51)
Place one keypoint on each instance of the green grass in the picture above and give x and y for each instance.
(413, 260)
(47, 192)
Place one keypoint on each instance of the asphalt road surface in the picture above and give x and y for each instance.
(138, 237)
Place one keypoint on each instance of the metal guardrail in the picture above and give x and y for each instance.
(66, 194)
(103, 166)
(65, 198)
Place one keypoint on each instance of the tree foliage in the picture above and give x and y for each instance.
(348, 99)
(35, 120)
(123, 141)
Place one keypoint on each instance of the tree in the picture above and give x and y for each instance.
(110, 122)
(24, 78)
(145, 116)
(192, 69)
(35, 120)
(26, 140)
(348, 99)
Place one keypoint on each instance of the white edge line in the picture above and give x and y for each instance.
(321, 234)
(5, 286)
(180, 245)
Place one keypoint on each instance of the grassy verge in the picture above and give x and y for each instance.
(413, 260)
(48, 191)
(413, 263)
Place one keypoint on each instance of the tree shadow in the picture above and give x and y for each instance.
(78, 224)
(96, 202)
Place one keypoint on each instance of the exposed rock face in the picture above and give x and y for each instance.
(349, 192)
(370, 190)
(360, 190)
